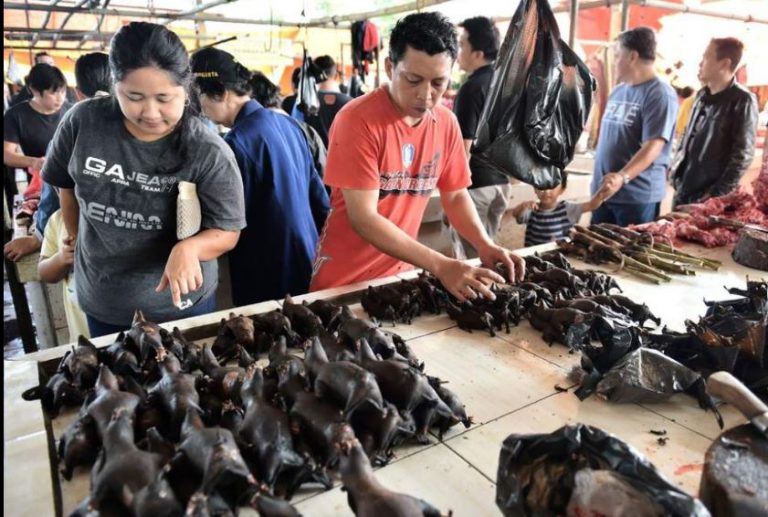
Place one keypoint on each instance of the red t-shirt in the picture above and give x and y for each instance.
(372, 148)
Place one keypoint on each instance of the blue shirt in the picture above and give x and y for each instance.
(285, 206)
(633, 115)
(49, 203)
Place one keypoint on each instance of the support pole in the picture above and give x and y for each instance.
(574, 23)
(624, 14)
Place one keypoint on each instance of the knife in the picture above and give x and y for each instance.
(714, 219)
(729, 389)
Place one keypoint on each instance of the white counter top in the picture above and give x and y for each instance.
(507, 383)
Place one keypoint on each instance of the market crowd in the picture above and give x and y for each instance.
(303, 200)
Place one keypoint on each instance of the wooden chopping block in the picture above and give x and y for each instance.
(751, 250)
(735, 477)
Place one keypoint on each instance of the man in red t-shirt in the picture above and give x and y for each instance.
(387, 151)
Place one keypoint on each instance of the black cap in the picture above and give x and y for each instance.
(216, 65)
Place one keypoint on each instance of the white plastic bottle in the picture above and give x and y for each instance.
(188, 214)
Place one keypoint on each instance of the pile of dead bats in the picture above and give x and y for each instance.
(553, 296)
(582, 310)
(731, 336)
(169, 427)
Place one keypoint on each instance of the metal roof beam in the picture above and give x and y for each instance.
(395, 9)
(199, 9)
(50, 47)
(47, 19)
(22, 33)
(703, 11)
(147, 13)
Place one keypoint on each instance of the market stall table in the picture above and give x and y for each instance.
(507, 383)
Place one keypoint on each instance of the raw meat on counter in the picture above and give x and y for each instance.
(739, 206)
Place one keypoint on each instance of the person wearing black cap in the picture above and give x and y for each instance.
(285, 201)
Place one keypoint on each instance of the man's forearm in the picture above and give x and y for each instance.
(17, 160)
(391, 240)
(462, 214)
(643, 158)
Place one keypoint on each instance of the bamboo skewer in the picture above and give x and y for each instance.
(647, 259)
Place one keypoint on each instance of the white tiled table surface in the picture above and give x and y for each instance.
(508, 386)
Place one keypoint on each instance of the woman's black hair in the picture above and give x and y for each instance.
(44, 77)
(142, 44)
(429, 32)
(265, 91)
(216, 71)
(92, 73)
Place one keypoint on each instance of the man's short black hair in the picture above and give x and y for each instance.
(295, 76)
(429, 32)
(327, 65)
(642, 40)
(92, 73)
(40, 55)
(483, 35)
(729, 48)
(44, 77)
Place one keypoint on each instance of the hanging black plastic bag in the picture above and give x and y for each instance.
(307, 100)
(538, 475)
(538, 101)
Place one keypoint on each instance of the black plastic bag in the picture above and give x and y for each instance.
(538, 101)
(646, 375)
(537, 472)
(307, 100)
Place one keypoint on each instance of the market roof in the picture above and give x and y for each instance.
(89, 24)
(271, 33)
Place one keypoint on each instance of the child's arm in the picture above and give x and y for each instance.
(57, 267)
(522, 207)
(593, 203)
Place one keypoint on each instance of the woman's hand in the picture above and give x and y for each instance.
(182, 271)
(490, 254)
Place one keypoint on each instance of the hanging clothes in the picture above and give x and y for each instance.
(358, 34)
(371, 40)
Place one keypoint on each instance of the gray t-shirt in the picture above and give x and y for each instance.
(126, 190)
(634, 115)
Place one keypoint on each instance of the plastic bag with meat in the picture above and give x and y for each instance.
(539, 474)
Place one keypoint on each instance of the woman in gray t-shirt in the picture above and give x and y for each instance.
(117, 161)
